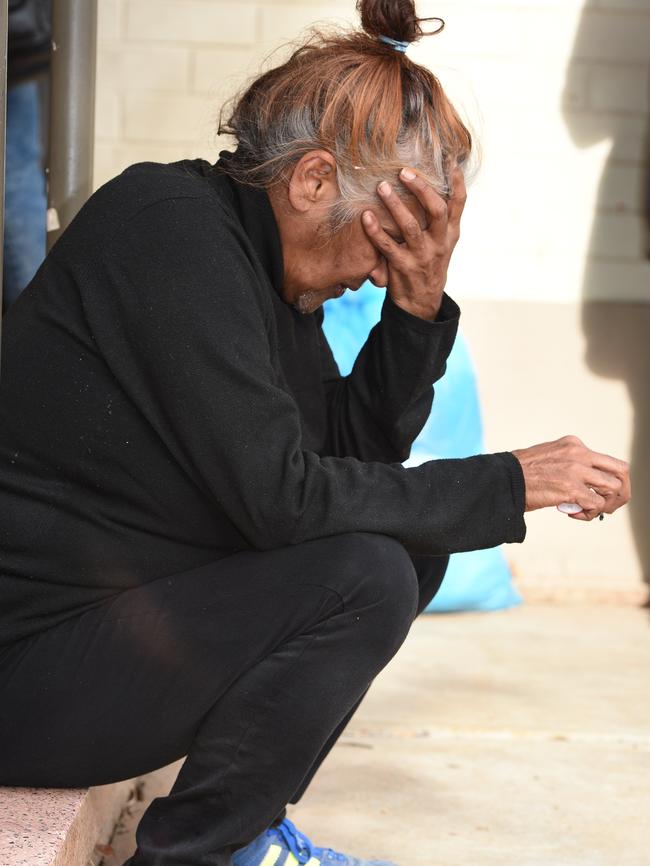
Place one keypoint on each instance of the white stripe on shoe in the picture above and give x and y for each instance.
(291, 861)
(272, 856)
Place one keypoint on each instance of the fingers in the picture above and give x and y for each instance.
(388, 247)
(608, 475)
(597, 495)
(410, 229)
(591, 501)
(434, 206)
(456, 203)
(594, 501)
(585, 515)
(442, 217)
(603, 482)
(601, 461)
(616, 467)
(609, 464)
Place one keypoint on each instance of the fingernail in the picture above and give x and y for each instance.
(367, 218)
(384, 188)
(408, 174)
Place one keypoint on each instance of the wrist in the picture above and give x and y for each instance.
(427, 312)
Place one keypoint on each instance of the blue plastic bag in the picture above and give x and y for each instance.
(479, 579)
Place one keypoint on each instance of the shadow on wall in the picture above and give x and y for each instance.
(618, 334)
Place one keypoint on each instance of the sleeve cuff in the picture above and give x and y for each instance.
(518, 489)
(449, 312)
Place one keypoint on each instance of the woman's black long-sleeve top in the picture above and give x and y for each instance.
(161, 406)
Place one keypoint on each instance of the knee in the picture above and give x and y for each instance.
(378, 586)
(431, 571)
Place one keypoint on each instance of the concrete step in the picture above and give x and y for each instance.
(58, 826)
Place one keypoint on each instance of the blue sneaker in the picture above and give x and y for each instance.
(284, 845)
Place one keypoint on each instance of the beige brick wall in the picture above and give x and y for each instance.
(557, 91)
(558, 94)
(165, 67)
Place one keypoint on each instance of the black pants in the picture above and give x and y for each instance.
(250, 666)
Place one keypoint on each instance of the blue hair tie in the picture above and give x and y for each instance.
(395, 43)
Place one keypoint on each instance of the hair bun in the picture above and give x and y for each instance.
(396, 19)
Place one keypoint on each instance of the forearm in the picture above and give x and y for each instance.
(440, 507)
(377, 411)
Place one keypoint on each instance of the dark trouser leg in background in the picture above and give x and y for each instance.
(247, 665)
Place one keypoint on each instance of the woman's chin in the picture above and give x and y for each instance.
(310, 301)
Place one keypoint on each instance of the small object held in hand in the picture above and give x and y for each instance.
(569, 507)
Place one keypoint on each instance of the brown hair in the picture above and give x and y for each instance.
(358, 97)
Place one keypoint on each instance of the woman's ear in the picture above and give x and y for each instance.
(313, 181)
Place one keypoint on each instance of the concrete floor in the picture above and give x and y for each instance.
(519, 738)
